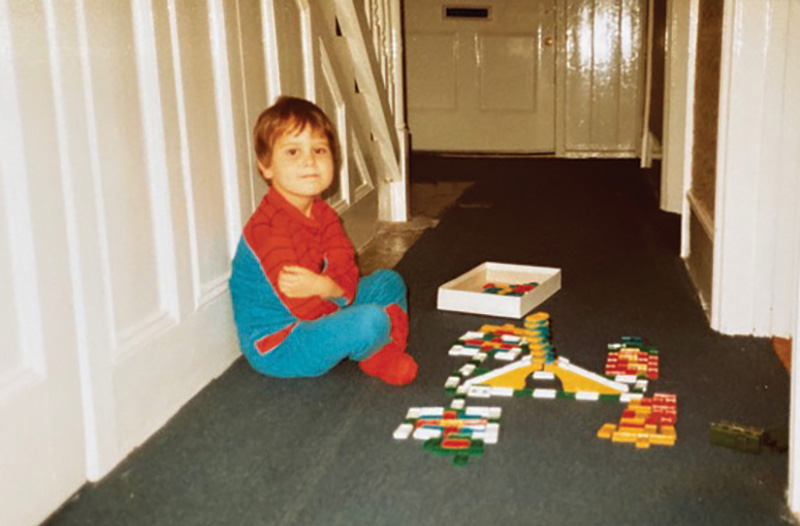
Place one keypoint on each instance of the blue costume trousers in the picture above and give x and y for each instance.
(356, 332)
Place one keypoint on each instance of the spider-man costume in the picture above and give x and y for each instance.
(298, 337)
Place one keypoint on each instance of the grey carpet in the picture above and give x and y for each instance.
(252, 450)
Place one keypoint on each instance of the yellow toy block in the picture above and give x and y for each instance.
(663, 440)
(606, 431)
(622, 436)
(537, 317)
(668, 430)
(633, 422)
(515, 378)
(573, 381)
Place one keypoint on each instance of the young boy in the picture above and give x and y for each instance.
(298, 303)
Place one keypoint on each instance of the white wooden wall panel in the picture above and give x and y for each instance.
(10, 283)
(41, 438)
(329, 98)
(246, 65)
(206, 175)
(293, 41)
(359, 170)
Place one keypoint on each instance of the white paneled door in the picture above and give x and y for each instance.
(481, 75)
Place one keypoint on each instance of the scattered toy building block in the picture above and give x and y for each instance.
(606, 431)
(458, 403)
(403, 431)
(549, 394)
(574, 378)
(736, 436)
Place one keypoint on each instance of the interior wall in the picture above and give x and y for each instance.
(701, 193)
(706, 105)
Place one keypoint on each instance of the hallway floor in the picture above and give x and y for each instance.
(256, 450)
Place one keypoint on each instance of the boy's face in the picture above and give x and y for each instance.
(301, 167)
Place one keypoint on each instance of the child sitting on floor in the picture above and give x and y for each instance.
(298, 303)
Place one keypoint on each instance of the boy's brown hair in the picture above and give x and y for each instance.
(290, 115)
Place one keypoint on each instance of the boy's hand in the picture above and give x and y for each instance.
(299, 282)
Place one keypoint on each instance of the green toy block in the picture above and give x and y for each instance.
(734, 436)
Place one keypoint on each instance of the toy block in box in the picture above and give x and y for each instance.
(466, 293)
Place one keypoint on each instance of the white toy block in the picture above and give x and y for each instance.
(467, 369)
(479, 357)
(506, 356)
(641, 384)
(544, 393)
(452, 382)
(502, 391)
(480, 391)
(510, 338)
(473, 335)
(488, 438)
(424, 433)
(403, 431)
(413, 413)
(474, 424)
(431, 411)
(493, 427)
(627, 397)
(459, 350)
(485, 412)
(462, 390)
(477, 410)
(625, 378)
(587, 396)
(543, 375)
(458, 403)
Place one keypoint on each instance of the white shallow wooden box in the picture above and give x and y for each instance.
(464, 294)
